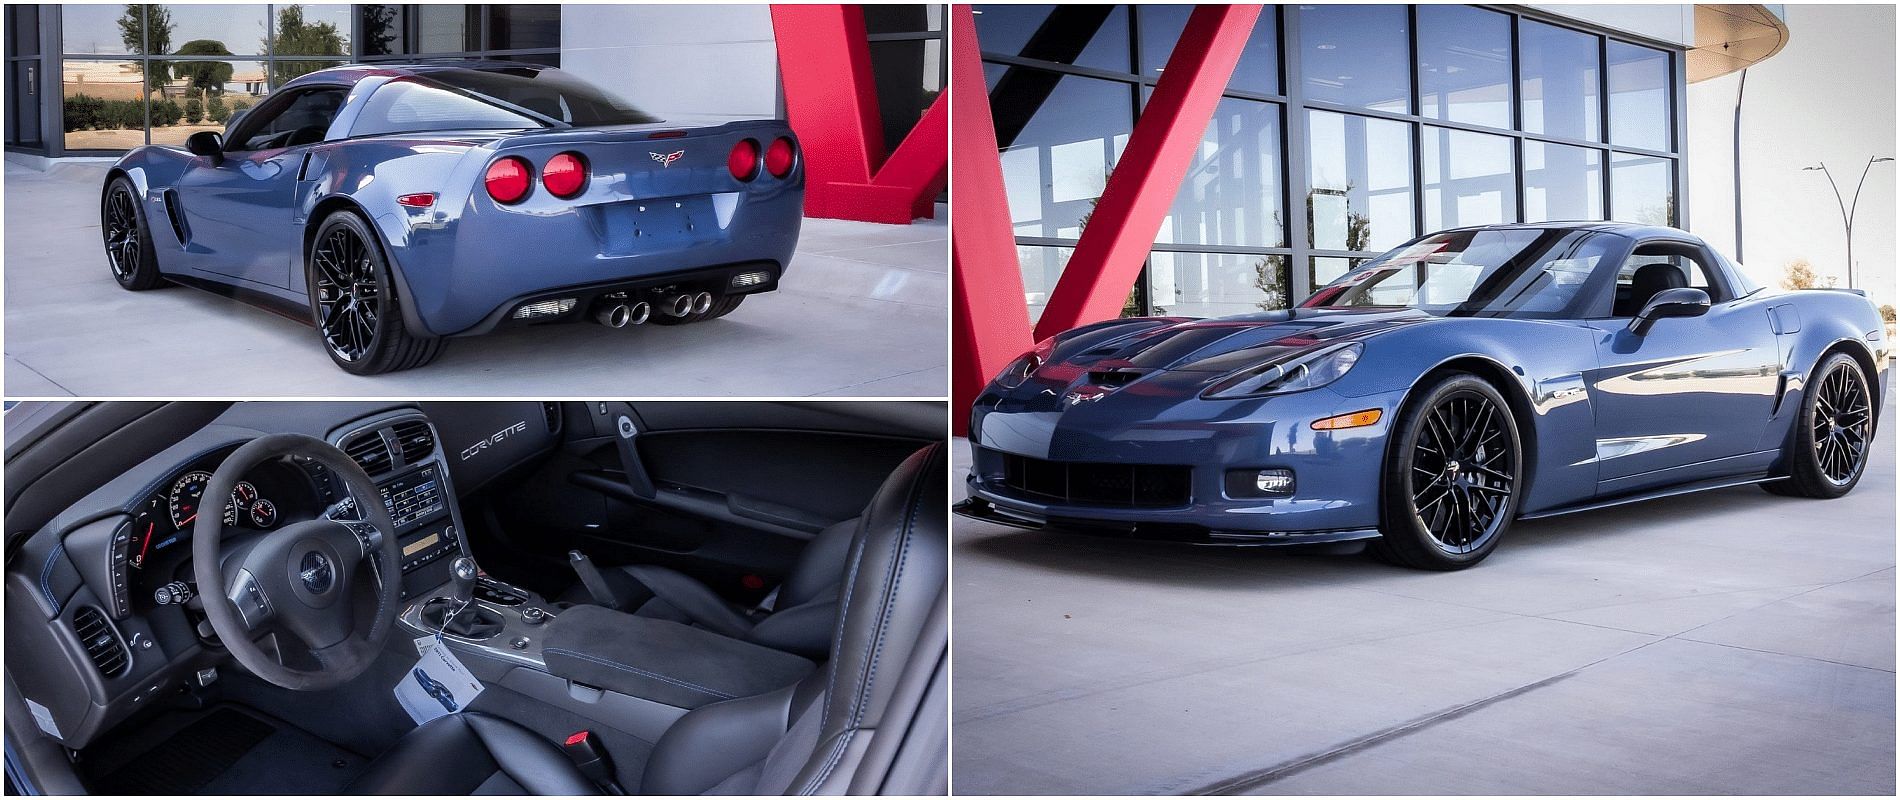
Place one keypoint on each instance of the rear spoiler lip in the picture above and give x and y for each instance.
(1855, 290)
(622, 134)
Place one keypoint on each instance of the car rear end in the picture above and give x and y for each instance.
(569, 223)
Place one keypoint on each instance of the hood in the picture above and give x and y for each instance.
(1226, 344)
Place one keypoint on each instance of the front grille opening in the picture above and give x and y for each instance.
(1122, 485)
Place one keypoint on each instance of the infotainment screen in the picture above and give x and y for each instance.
(413, 498)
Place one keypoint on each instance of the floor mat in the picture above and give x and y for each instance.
(228, 751)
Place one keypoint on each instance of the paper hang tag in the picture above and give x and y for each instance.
(438, 684)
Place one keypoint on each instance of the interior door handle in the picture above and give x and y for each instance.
(626, 431)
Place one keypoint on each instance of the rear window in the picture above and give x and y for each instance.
(512, 99)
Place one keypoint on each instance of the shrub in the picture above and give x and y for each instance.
(166, 112)
(194, 111)
(239, 105)
(216, 110)
(82, 112)
(123, 114)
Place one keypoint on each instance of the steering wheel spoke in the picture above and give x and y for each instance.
(247, 596)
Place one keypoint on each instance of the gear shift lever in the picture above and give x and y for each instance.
(462, 573)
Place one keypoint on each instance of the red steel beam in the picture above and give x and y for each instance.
(989, 317)
(1121, 230)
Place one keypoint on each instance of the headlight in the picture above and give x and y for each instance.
(1299, 374)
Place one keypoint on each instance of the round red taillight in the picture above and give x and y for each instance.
(565, 175)
(744, 160)
(779, 157)
(508, 179)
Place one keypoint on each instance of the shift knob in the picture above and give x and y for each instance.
(462, 573)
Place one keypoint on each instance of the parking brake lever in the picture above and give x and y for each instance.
(592, 579)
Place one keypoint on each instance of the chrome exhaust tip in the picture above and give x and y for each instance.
(702, 302)
(679, 305)
(613, 315)
(639, 312)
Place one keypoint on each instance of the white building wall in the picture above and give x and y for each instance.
(1673, 24)
(1827, 96)
(677, 60)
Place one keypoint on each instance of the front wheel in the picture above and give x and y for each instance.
(128, 241)
(1827, 450)
(353, 300)
(1452, 476)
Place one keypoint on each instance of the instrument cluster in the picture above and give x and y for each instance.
(273, 493)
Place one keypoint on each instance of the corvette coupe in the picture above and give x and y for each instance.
(394, 206)
(1426, 399)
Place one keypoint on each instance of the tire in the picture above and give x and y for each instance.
(721, 306)
(1467, 501)
(1827, 451)
(354, 304)
(128, 240)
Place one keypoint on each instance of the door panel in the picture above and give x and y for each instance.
(239, 214)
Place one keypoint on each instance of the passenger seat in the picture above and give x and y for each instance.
(802, 618)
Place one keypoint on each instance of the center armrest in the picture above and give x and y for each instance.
(663, 661)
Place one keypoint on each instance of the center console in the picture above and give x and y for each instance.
(401, 455)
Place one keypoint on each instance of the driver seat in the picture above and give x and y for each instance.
(1649, 281)
(808, 738)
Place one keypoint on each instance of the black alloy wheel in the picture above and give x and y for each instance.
(1452, 476)
(1827, 451)
(354, 302)
(128, 244)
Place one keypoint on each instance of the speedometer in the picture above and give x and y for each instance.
(186, 494)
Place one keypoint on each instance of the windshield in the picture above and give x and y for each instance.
(548, 94)
(1529, 273)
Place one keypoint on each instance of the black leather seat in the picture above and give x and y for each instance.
(473, 753)
(809, 738)
(1649, 280)
(803, 616)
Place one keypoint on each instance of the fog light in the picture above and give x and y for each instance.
(545, 308)
(750, 279)
(1259, 483)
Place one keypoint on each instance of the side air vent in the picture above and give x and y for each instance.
(102, 644)
(369, 451)
(415, 439)
(551, 413)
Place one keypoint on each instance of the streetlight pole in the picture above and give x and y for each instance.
(1847, 209)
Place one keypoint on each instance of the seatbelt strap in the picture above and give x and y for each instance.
(765, 606)
(592, 579)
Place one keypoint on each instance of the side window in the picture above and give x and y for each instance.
(302, 120)
(1656, 267)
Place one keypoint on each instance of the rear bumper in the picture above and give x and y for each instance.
(463, 276)
(717, 280)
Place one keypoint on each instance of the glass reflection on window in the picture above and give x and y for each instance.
(1083, 35)
(1356, 56)
(212, 30)
(203, 95)
(1558, 73)
(1322, 270)
(1469, 179)
(1562, 182)
(311, 30)
(1258, 69)
(111, 30)
(1216, 284)
(1231, 195)
(1361, 178)
(1464, 65)
(1642, 189)
(104, 105)
(1060, 136)
(1639, 96)
(1042, 267)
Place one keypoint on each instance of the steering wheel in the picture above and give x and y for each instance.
(299, 578)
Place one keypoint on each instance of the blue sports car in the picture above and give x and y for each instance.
(393, 206)
(1428, 398)
(435, 689)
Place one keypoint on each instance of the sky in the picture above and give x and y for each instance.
(1827, 97)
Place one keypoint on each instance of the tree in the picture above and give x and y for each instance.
(382, 25)
(147, 30)
(216, 110)
(1798, 275)
(299, 37)
(1270, 279)
(205, 76)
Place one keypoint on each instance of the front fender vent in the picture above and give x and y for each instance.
(415, 439)
(101, 641)
(369, 451)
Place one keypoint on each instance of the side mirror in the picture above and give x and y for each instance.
(207, 143)
(1687, 302)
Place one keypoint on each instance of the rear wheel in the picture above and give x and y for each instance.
(1827, 450)
(1451, 477)
(721, 306)
(128, 241)
(353, 300)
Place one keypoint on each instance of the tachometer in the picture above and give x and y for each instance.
(186, 494)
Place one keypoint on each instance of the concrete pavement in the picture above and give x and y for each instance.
(1729, 642)
(863, 311)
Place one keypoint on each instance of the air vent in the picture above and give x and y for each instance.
(551, 413)
(369, 451)
(415, 439)
(102, 643)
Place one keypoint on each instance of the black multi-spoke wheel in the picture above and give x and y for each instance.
(1452, 474)
(1827, 450)
(355, 304)
(128, 243)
